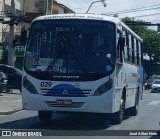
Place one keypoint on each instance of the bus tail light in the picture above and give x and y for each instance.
(104, 88)
(29, 86)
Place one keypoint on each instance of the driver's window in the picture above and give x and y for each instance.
(120, 47)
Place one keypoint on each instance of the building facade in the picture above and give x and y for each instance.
(24, 8)
(6, 13)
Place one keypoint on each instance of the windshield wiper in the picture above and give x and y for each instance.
(51, 64)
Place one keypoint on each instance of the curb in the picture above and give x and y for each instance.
(10, 112)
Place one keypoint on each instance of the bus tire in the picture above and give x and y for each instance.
(45, 116)
(119, 116)
(134, 109)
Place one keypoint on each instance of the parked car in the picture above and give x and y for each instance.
(148, 84)
(155, 86)
(3, 82)
(14, 76)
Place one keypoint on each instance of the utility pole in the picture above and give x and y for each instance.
(49, 7)
(11, 49)
(24, 1)
(46, 7)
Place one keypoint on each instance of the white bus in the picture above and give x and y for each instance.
(82, 63)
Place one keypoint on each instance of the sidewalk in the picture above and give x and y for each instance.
(10, 102)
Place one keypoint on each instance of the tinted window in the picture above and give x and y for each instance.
(157, 82)
(149, 81)
(71, 47)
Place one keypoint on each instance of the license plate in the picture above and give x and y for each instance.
(64, 102)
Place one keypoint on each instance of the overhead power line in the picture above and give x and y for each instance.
(125, 2)
(152, 7)
(147, 15)
(145, 8)
(139, 9)
(135, 23)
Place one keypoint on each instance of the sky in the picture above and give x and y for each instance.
(153, 6)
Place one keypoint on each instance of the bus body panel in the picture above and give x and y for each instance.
(126, 77)
(90, 103)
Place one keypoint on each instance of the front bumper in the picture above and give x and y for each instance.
(148, 86)
(155, 89)
(93, 104)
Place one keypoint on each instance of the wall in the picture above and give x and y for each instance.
(57, 9)
(30, 6)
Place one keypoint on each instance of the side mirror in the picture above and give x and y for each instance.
(108, 56)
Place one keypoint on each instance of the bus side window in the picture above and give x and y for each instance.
(127, 45)
(140, 54)
(125, 53)
(133, 58)
(117, 50)
(137, 45)
(135, 52)
(120, 47)
(130, 49)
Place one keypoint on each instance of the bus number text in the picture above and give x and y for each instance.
(46, 84)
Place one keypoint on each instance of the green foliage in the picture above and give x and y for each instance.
(151, 46)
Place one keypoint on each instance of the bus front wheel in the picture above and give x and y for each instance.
(45, 116)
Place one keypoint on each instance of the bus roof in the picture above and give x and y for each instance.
(117, 21)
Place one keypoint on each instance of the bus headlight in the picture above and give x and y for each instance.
(29, 86)
(104, 88)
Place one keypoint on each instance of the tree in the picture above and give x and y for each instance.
(151, 45)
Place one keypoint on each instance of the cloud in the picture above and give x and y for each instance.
(80, 6)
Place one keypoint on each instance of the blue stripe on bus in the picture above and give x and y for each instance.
(66, 90)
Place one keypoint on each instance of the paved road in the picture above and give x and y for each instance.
(147, 119)
(10, 102)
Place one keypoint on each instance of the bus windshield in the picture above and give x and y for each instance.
(71, 47)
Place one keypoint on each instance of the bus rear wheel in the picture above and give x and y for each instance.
(119, 116)
(134, 109)
(45, 116)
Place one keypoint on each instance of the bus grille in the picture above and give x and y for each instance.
(73, 105)
(66, 93)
